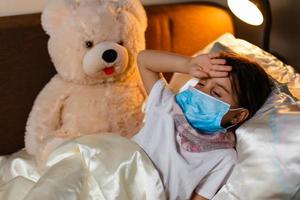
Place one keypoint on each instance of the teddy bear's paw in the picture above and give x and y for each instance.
(48, 148)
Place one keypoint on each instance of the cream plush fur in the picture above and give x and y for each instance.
(93, 45)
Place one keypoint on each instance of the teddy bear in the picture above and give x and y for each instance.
(93, 45)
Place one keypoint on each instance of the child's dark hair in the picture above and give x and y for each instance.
(250, 82)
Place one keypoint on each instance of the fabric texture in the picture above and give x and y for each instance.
(194, 141)
(93, 167)
(268, 154)
(182, 171)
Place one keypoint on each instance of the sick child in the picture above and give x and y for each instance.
(189, 136)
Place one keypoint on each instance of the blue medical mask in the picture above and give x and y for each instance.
(202, 111)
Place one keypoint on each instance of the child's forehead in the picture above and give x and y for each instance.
(224, 81)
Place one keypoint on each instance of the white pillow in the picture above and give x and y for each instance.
(268, 145)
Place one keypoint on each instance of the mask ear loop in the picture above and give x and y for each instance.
(228, 127)
(233, 109)
(192, 82)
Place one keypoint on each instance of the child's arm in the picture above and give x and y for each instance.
(197, 197)
(151, 63)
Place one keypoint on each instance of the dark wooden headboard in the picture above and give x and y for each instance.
(25, 66)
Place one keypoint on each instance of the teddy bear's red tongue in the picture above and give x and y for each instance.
(109, 70)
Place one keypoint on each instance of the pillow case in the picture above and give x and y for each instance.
(268, 144)
(268, 147)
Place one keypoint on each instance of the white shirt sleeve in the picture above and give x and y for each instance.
(159, 94)
(210, 185)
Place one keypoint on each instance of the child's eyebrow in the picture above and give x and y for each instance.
(224, 88)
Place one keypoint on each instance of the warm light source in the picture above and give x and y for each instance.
(246, 11)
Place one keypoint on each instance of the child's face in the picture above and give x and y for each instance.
(220, 88)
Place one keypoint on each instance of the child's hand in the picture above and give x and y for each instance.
(208, 65)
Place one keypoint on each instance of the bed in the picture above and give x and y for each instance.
(184, 28)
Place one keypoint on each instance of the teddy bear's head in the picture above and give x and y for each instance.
(93, 41)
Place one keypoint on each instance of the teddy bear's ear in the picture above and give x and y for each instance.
(136, 8)
(55, 12)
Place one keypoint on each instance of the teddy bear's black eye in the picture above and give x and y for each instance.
(121, 43)
(89, 44)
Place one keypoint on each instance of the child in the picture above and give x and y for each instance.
(189, 136)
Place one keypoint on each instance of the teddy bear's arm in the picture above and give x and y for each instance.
(45, 116)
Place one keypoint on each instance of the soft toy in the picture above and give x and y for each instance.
(93, 45)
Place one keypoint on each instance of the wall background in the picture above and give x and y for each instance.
(17, 7)
(285, 34)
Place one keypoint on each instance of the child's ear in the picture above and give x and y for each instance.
(55, 12)
(240, 116)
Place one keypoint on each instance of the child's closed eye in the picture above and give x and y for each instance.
(201, 84)
(216, 94)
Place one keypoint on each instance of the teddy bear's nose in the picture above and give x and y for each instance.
(109, 55)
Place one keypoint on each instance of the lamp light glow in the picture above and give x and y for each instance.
(246, 11)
